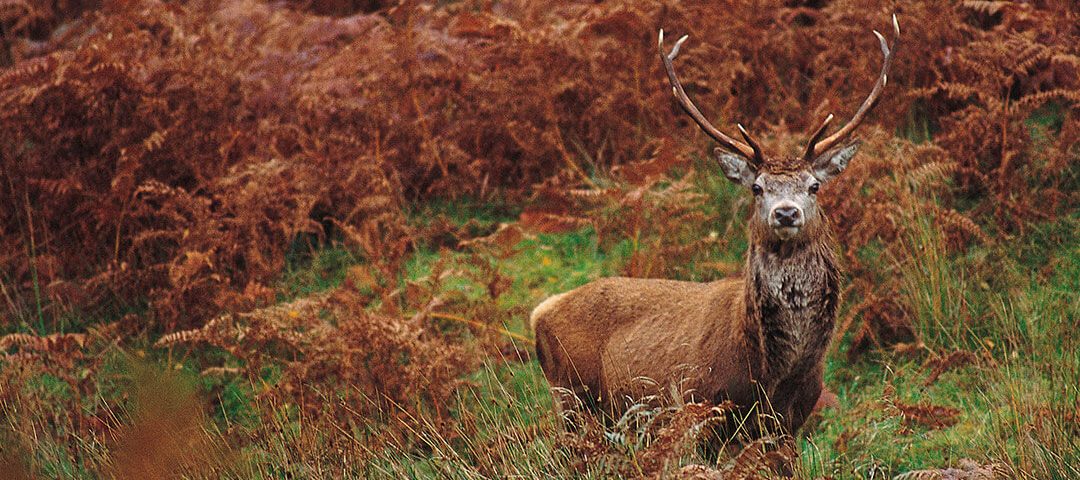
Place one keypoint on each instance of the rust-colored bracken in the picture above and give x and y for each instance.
(175, 152)
(161, 163)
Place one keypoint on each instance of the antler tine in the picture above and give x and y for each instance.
(751, 152)
(809, 155)
(753, 144)
(815, 148)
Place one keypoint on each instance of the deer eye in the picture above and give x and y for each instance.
(756, 189)
(814, 188)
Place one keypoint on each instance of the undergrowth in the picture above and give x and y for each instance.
(263, 242)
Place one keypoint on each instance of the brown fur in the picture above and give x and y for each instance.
(731, 339)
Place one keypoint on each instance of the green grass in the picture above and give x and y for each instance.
(1013, 304)
(1019, 329)
(1023, 333)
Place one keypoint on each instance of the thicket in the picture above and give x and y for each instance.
(175, 152)
(162, 161)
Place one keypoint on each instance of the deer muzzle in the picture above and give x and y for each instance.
(786, 220)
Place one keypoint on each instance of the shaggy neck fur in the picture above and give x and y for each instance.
(792, 290)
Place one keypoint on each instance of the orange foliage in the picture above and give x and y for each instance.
(174, 154)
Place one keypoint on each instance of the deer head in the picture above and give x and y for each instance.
(785, 189)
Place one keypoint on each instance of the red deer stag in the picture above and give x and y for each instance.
(765, 333)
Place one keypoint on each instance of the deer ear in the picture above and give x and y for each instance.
(829, 164)
(735, 168)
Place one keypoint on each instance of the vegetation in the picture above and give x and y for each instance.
(261, 240)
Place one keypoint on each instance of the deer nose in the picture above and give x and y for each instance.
(786, 216)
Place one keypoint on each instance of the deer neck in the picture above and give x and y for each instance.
(792, 291)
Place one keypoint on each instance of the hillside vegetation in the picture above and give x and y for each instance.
(295, 239)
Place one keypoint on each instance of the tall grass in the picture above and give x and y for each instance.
(1018, 400)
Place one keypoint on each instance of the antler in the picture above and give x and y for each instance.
(816, 147)
(749, 149)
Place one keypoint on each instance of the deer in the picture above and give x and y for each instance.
(757, 340)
